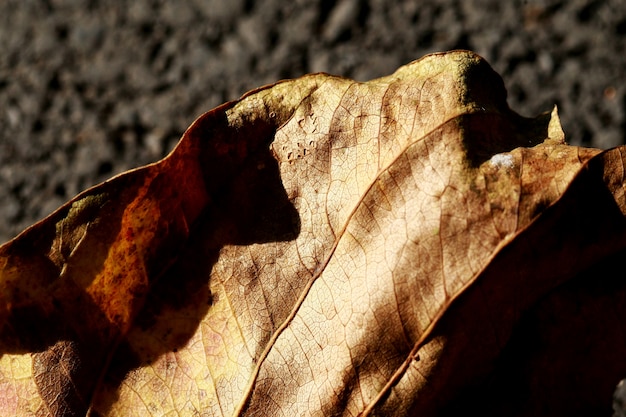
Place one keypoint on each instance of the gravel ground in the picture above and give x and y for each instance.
(89, 89)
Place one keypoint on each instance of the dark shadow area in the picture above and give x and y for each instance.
(569, 347)
(249, 206)
(487, 134)
(496, 128)
(49, 315)
(72, 341)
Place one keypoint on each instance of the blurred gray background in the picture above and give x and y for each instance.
(89, 89)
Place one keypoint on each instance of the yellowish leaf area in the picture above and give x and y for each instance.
(318, 247)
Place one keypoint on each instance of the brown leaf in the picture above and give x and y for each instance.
(403, 246)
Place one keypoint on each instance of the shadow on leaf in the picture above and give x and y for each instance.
(134, 256)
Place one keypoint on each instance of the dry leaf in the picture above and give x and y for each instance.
(403, 246)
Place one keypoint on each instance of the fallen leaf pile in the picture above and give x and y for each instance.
(404, 246)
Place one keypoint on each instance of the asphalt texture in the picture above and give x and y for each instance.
(89, 89)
